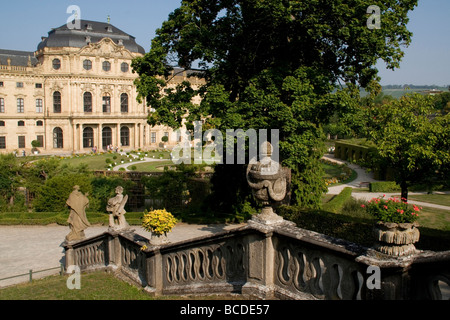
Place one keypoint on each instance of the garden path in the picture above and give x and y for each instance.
(364, 178)
(24, 248)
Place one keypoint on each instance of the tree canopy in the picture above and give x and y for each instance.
(287, 65)
(412, 138)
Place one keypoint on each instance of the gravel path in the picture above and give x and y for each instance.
(24, 248)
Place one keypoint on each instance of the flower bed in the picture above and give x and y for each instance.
(346, 173)
(392, 210)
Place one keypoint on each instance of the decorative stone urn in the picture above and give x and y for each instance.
(396, 239)
(269, 182)
(159, 239)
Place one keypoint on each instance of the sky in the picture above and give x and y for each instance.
(24, 22)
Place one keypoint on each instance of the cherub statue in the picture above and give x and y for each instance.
(116, 208)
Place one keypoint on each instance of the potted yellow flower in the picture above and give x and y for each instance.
(159, 223)
(396, 230)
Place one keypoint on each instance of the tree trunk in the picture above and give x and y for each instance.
(404, 187)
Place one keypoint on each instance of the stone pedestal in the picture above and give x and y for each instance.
(396, 239)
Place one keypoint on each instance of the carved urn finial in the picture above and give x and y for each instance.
(269, 183)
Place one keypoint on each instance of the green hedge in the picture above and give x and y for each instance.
(60, 218)
(384, 186)
(337, 202)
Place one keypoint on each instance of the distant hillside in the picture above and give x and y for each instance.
(399, 90)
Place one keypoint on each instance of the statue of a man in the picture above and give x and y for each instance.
(116, 208)
(77, 202)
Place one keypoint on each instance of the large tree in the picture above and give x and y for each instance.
(413, 139)
(271, 65)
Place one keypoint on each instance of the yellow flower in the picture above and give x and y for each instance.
(158, 221)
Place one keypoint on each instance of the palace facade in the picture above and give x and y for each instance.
(75, 93)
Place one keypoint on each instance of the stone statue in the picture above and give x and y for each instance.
(77, 202)
(269, 183)
(116, 208)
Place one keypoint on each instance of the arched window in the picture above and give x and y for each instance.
(39, 123)
(58, 139)
(87, 101)
(124, 103)
(21, 123)
(57, 102)
(88, 137)
(125, 136)
(106, 137)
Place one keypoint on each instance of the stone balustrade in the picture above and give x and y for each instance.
(267, 261)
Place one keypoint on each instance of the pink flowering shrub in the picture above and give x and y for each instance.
(392, 210)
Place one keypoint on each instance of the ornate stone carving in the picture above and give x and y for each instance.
(268, 180)
(396, 239)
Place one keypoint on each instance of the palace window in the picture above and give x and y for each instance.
(2, 123)
(19, 84)
(124, 103)
(125, 136)
(39, 106)
(40, 139)
(153, 137)
(21, 141)
(87, 64)
(106, 103)
(124, 67)
(87, 101)
(56, 64)
(20, 105)
(58, 138)
(88, 137)
(2, 105)
(38, 85)
(21, 123)
(106, 66)
(39, 123)
(106, 137)
(2, 142)
(57, 102)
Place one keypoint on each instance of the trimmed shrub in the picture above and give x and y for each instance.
(384, 186)
(336, 204)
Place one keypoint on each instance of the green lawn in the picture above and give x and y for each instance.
(94, 162)
(151, 166)
(331, 171)
(441, 199)
(94, 286)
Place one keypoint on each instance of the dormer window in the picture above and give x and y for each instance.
(109, 29)
(89, 27)
(88, 39)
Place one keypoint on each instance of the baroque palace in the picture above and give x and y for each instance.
(76, 94)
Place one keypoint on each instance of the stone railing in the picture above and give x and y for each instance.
(279, 261)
